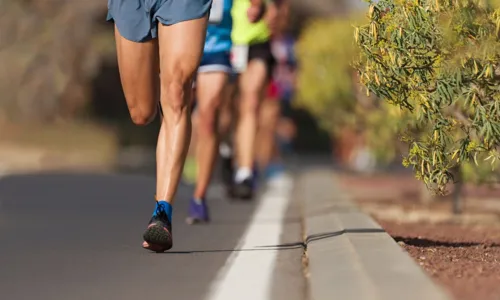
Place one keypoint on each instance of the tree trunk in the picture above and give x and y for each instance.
(426, 196)
(345, 144)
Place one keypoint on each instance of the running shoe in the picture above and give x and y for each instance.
(274, 169)
(198, 212)
(244, 190)
(158, 235)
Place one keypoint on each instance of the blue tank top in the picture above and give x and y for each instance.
(219, 28)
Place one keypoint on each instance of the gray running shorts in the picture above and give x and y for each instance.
(137, 20)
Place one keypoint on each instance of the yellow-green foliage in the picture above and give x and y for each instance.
(439, 60)
(325, 87)
(328, 87)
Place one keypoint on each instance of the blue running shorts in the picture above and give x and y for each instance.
(137, 20)
(215, 62)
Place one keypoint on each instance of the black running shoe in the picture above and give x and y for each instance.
(244, 189)
(158, 235)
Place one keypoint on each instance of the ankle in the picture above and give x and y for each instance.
(198, 195)
(242, 174)
(199, 200)
(167, 206)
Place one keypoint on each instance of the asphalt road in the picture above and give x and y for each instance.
(78, 236)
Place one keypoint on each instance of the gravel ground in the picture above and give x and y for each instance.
(460, 255)
(465, 260)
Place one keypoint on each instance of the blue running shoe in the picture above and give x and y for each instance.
(158, 235)
(274, 169)
(198, 212)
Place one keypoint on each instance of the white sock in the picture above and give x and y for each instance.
(242, 174)
(198, 201)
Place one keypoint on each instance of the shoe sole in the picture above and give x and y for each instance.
(158, 237)
(243, 193)
(196, 221)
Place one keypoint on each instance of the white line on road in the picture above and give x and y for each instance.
(248, 274)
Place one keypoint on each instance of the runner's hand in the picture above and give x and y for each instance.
(255, 12)
(271, 17)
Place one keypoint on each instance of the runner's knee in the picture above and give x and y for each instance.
(249, 104)
(206, 120)
(176, 86)
(142, 115)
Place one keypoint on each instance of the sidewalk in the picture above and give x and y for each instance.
(349, 256)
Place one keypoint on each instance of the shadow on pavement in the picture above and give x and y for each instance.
(288, 246)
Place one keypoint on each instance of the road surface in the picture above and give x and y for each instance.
(78, 236)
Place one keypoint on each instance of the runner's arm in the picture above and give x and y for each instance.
(277, 15)
(256, 10)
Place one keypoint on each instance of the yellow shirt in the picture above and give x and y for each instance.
(244, 32)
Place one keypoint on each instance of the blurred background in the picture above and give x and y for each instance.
(62, 107)
(60, 87)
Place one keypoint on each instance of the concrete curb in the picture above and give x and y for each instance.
(349, 255)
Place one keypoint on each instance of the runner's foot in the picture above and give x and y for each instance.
(198, 212)
(244, 189)
(245, 183)
(274, 169)
(158, 235)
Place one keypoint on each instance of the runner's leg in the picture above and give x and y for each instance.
(210, 93)
(251, 85)
(269, 114)
(138, 66)
(178, 62)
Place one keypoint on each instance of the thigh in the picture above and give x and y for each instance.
(181, 48)
(133, 19)
(210, 89)
(263, 52)
(254, 79)
(138, 65)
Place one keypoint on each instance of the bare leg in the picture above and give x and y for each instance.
(138, 65)
(266, 136)
(181, 47)
(210, 93)
(252, 84)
